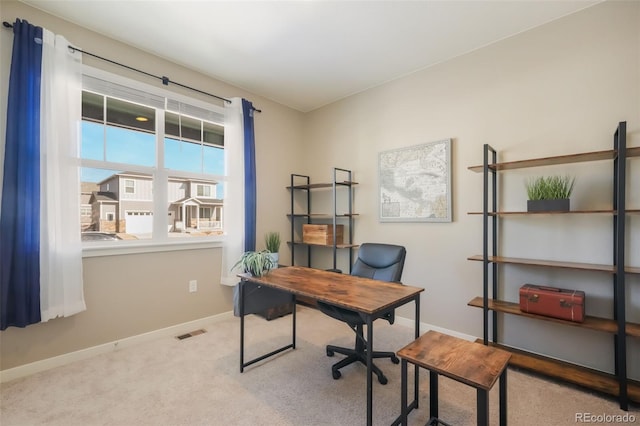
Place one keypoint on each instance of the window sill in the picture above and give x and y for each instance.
(99, 249)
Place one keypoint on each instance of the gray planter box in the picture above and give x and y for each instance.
(559, 205)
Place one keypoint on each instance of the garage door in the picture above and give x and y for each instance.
(139, 222)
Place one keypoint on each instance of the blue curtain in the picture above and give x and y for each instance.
(249, 177)
(20, 220)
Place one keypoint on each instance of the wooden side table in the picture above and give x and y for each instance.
(473, 364)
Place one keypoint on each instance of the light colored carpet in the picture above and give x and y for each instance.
(196, 381)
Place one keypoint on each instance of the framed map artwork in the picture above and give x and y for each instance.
(415, 183)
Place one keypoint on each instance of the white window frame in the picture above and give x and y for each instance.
(204, 186)
(160, 240)
(127, 187)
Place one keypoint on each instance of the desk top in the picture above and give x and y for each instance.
(472, 363)
(356, 293)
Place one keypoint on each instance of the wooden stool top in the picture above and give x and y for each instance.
(472, 363)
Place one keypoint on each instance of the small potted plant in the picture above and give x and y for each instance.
(549, 194)
(256, 263)
(272, 243)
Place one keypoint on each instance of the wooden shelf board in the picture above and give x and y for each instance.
(550, 161)
(555, 212)
(322, 185)
(552, 263)
(340, 246)
(560, 159)
(556, 264)
(571, 373)
(321, 215)
(592, 323)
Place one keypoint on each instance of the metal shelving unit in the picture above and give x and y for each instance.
(342, 185)
(616, 384)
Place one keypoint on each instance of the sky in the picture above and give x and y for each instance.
(126, 146)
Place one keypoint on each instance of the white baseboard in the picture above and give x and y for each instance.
(57, 361)
(424, 327)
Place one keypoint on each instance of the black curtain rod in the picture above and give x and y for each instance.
(165, 80)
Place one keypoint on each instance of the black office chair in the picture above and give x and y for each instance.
(382, 262)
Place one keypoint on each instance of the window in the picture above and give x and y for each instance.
(144, 152)
(130, 186)
(203, 190)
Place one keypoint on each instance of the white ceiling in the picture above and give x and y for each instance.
(306, 54)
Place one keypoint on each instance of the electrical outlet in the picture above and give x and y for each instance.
(193, 286)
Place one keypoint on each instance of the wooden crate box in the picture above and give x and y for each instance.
(321, 234)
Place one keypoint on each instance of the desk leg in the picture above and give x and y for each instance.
(483, 407)
(403, 393)
(293, 331)
(433, 394)
(241, 284)
(416, 328)
(292, 345)
(369, 372)
(503, 398)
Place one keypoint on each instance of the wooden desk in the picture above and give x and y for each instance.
(473, 364)
(370, 298)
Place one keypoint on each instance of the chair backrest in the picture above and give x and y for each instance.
(383, 262)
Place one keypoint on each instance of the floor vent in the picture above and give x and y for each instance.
(191, 334)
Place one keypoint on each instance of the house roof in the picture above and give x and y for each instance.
(146, 176)
(103, 197)
(198, 201)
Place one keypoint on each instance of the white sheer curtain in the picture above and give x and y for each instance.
(61, 286)
(234, 190)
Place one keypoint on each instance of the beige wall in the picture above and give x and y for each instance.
(558, 89)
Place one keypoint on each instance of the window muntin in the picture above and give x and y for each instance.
(193, 145)
(121, 137)
(119, 154)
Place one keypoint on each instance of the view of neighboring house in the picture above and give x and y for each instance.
(86, 192)
(123, 204)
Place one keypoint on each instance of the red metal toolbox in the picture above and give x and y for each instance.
(552, 302)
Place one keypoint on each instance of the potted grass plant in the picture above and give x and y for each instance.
(272, 244)
(256, 263)
(549, 193)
